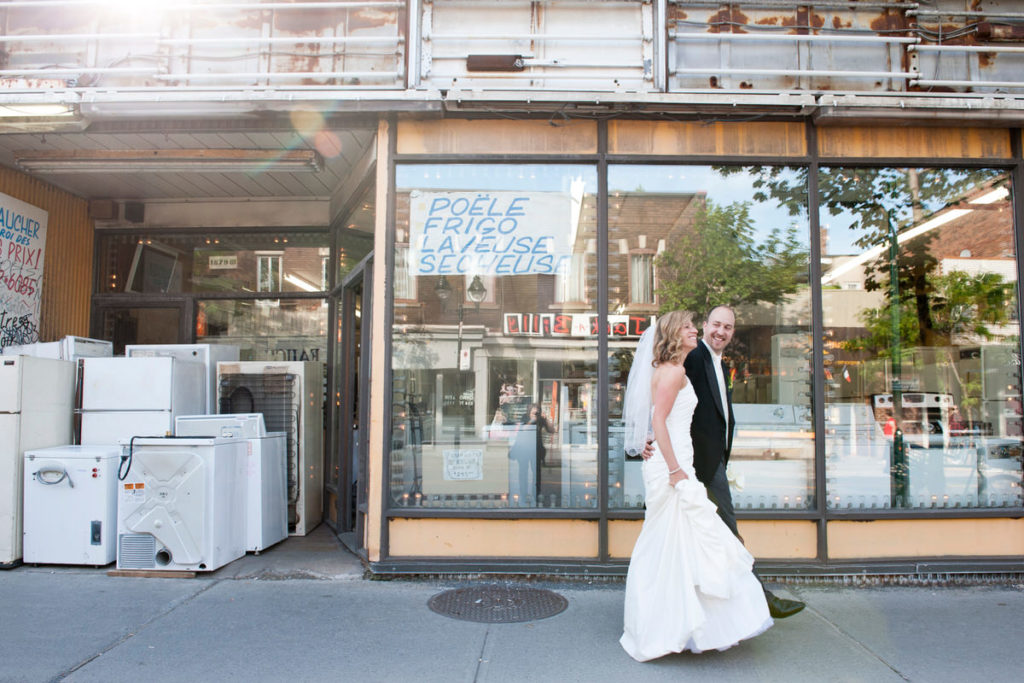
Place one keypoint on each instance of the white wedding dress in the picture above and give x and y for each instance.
(690, 584)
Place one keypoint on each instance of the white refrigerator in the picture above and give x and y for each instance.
(207, 354)
(128, 397)
(68, 348)
(36, 399)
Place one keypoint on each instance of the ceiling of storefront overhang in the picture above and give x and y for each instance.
(341, 148)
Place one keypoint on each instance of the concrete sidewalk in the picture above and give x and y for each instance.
(303, 612)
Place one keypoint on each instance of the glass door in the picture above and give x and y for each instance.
(349, 423)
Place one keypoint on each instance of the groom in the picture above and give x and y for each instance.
(713, 425)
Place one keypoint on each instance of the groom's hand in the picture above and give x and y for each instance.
(648, 449)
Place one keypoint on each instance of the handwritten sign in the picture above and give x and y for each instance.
(491, 233)
(22, 241)
(463, 464)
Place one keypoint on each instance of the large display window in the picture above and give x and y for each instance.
(494, 362)
(922, 362)
(229, 262)
(707, 236)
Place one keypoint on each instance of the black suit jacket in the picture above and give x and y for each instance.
(712, 438)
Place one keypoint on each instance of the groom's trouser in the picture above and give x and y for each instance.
(718, 492)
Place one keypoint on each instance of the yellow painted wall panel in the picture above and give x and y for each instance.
(926, 538)
(459, 136)
(67, 263)
(453, 538)
(695, 138)
(970, 143)
(780, 539)
(765, 539)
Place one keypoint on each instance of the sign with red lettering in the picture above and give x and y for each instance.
(573, 325)
(22, 241)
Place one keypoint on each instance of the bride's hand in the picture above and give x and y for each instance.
(676, 477)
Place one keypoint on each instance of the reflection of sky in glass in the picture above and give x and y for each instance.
(842, 237)
(540, 177)
(722, 190)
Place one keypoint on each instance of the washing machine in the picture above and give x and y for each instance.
(181, 504)
(70, 514)
(266, 472)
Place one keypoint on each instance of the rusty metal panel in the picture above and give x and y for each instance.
(751, 46)
(970, 47)
(67, 271)
(894, 46)
(600, 45)
(348, 44)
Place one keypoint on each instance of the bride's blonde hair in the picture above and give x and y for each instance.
(667, 340)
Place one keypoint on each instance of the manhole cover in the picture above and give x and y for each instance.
(498, 604)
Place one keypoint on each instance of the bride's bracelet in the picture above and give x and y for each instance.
(678, 469)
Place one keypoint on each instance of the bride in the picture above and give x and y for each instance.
(690, 584)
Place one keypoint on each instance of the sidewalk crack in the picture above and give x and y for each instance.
(480, 659)
(838, 629)
(175, 604)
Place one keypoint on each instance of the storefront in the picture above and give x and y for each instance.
(875, 367)
(470, 241)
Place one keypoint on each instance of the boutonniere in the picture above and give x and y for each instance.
(728, 382)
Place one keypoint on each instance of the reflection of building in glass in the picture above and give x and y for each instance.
(931, 355)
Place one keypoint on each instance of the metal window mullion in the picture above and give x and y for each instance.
(602, 340)
(817, 341)
(1017, 194)
(388, 343)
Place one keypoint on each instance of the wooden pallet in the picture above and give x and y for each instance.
(152, 574)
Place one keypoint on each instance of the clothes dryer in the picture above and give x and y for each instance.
(266, 472)
(181, 504)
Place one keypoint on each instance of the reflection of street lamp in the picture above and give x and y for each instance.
(899, 483)
(476, 292)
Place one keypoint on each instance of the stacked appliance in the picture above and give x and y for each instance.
(68, 348)
(181, 504)
(126, 397)
(36, 398)
(71, 504)
(207, 354)
(266, 474)
(290, 397)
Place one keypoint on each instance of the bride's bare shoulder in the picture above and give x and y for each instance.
(672, 373)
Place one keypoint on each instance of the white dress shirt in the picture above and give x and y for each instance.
(717, 362)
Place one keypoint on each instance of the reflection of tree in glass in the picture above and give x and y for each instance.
(962, 305)
(881, 203)
(718, 260)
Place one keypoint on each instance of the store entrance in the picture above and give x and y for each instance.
(350, 304)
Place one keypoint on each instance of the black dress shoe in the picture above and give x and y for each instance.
(780, 608)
